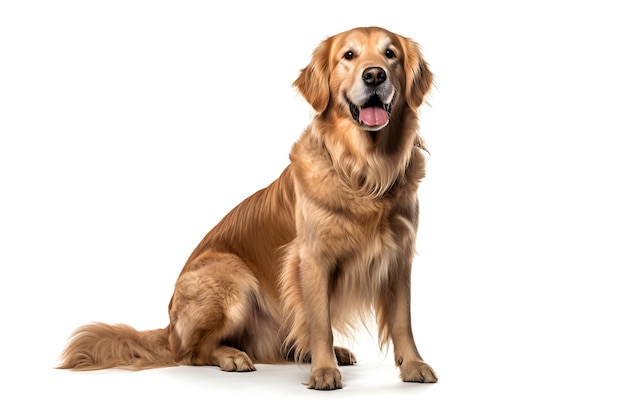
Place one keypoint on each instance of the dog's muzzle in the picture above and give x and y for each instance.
(374, 114)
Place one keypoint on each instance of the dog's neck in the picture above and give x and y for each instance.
(396, 138)
(371, 162)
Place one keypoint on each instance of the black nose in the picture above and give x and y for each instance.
(374, 76)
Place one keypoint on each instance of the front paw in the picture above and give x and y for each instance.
(325, 379)
(417, 371)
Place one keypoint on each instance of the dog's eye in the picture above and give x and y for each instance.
(348, 55)
(390, 54)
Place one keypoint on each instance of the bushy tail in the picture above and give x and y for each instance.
(101, 346)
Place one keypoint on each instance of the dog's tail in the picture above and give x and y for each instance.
(101, 346)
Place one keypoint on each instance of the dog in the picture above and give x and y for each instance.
(322, 248)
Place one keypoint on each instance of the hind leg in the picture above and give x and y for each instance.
(211, 305)
(344, 356)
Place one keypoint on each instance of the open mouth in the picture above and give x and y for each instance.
(373, 114)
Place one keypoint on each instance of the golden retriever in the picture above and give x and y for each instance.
(326, 244)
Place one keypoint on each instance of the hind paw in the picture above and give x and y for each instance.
(232, 360)
(236, 363)
(344, 356)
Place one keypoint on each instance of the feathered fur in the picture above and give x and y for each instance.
(328, 243)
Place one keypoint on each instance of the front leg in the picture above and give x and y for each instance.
(396, 317)
(314, 281)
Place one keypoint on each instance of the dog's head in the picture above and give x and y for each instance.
(364, 74)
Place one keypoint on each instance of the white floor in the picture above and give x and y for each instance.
(128, 129)
(370, 387)
(539, 381)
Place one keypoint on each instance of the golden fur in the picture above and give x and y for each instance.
(326, 244)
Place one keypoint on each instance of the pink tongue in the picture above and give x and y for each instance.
(373, 116)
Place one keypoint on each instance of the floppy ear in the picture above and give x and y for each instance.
(314, 80)
(419, 78)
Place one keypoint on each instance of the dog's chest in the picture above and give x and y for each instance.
(372, 249)
(367, 267)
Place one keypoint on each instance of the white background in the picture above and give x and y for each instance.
(129, 128)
